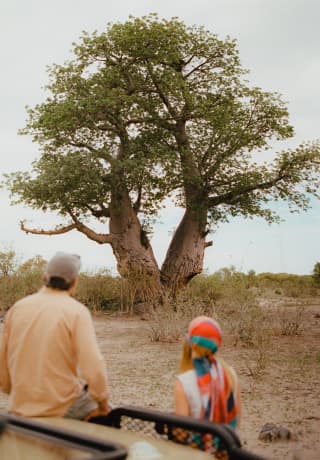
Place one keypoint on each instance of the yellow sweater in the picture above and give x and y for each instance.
(48, 340)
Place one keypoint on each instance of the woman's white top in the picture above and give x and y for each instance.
(188, 380)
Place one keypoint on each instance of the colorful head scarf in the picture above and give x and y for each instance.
(206, 332)
(218, 401)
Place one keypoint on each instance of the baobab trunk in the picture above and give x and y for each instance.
(184, 258)
(133, 252)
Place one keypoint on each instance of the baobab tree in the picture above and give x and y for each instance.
(152, 109)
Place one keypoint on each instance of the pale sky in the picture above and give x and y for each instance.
(279, 43)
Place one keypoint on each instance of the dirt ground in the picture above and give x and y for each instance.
(142, 372)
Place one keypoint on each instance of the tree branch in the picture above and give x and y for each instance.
(102, 212)
(56, 231)
(195, 69)
(146, 120)
(185, 63)
(161, 94)
(100, 238)
(82, 145)
(233, 195)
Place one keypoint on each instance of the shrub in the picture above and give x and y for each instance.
(289, 321)
(100, 291)
(287, 284)
(21, 281)
(171, 322)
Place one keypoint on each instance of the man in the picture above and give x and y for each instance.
(50, 363)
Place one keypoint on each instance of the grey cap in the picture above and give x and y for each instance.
(63, 265)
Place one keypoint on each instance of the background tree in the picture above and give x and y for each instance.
(316, 272)
(9, 262)
(36, 265)
(152, 109)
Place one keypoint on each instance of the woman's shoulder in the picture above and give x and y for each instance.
(187, 373)
(187, 376)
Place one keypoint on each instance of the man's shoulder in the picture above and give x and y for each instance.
(66, 301)
(19, 305)
(77, 305)
(24, 300)
(49, 296)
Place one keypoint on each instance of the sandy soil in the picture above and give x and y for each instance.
(141, 373)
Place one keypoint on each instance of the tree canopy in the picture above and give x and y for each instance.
(150, 109)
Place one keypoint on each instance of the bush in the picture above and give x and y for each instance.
(170, 323)
(290, 321)
(287, 284)
(100, 291)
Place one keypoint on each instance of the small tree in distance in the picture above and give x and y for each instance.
(9, 262)
(151, 109)
(316, 272)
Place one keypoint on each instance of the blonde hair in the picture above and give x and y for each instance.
(186, 357)
(190, 350)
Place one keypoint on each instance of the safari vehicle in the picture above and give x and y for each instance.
(126, 433)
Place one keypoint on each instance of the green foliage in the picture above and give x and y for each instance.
(226, 290)
(287, 284)
(160, 108)
(207, 287)
(98, 291)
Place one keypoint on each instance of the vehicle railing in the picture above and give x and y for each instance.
(179, 429)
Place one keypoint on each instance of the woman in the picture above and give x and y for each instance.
(206, 388)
